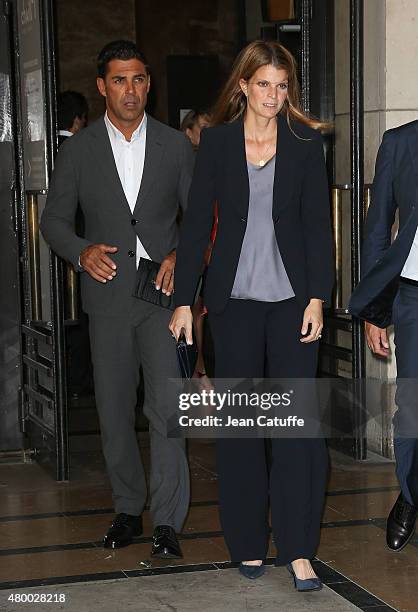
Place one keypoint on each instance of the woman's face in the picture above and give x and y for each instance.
(194, 132)
(266, 91)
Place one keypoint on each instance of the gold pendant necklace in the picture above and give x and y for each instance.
(262, 161)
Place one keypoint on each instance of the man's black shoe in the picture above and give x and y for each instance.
(122, 530)
(165, 544)
(401, 524)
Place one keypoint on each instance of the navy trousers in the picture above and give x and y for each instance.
(262, 339)
(405, 318)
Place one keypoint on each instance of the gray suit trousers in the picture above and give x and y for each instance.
(119, 346)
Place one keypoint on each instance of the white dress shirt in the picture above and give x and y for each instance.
(66, 133)
(129, 157)
(410, 269)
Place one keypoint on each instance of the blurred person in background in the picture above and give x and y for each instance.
(73, 112)
(192, 125)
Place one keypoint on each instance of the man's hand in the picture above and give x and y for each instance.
(312, 316)
(377, 340)
(95, 261)
(165, 276)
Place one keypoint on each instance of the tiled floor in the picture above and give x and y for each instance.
(50, 537)
(211, 591)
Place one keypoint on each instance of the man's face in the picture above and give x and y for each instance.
(125, 87)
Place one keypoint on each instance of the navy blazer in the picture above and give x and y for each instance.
(300, 213)
(395, 187)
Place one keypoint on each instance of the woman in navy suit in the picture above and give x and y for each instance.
(270, 273)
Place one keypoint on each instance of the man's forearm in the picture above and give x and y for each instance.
(58, 218)
(62, 238)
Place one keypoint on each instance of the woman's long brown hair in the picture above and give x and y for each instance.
(232, 101)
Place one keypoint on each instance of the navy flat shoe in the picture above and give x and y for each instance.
(310, 584)
(252, 571)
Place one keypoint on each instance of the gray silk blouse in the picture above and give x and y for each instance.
(261, 274)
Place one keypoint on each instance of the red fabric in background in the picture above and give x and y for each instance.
(212, 239)
(215, 223)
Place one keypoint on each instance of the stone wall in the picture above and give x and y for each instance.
(179, 27)
(185, 27)
(83, 27)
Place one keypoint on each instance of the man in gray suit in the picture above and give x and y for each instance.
(130, 174)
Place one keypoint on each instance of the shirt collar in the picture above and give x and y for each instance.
(65, 133)
(118, 134)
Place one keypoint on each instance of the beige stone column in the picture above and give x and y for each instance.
(390, 99)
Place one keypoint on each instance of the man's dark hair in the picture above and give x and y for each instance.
(121, 50)
(71, 104)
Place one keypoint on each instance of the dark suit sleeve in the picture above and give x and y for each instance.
(381, 214)
(316, 220)
(196, 226)
(58, 218)
(186, 172)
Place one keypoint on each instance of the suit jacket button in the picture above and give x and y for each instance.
(134, 221)
(131, 254)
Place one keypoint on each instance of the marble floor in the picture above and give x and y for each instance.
(50, 545)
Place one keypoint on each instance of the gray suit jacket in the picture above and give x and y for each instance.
(85, 172)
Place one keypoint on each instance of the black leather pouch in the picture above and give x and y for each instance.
(145, 285)
(187, 356)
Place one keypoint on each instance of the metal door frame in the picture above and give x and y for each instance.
(47, 439)
(336, 318)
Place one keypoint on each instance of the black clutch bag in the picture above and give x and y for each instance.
(187, 356)
(145, 285)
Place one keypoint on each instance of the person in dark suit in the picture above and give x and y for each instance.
(73, 113)
(388, 292)
(192, 125)
(72, 109)
(270, 272)
(130, 174)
